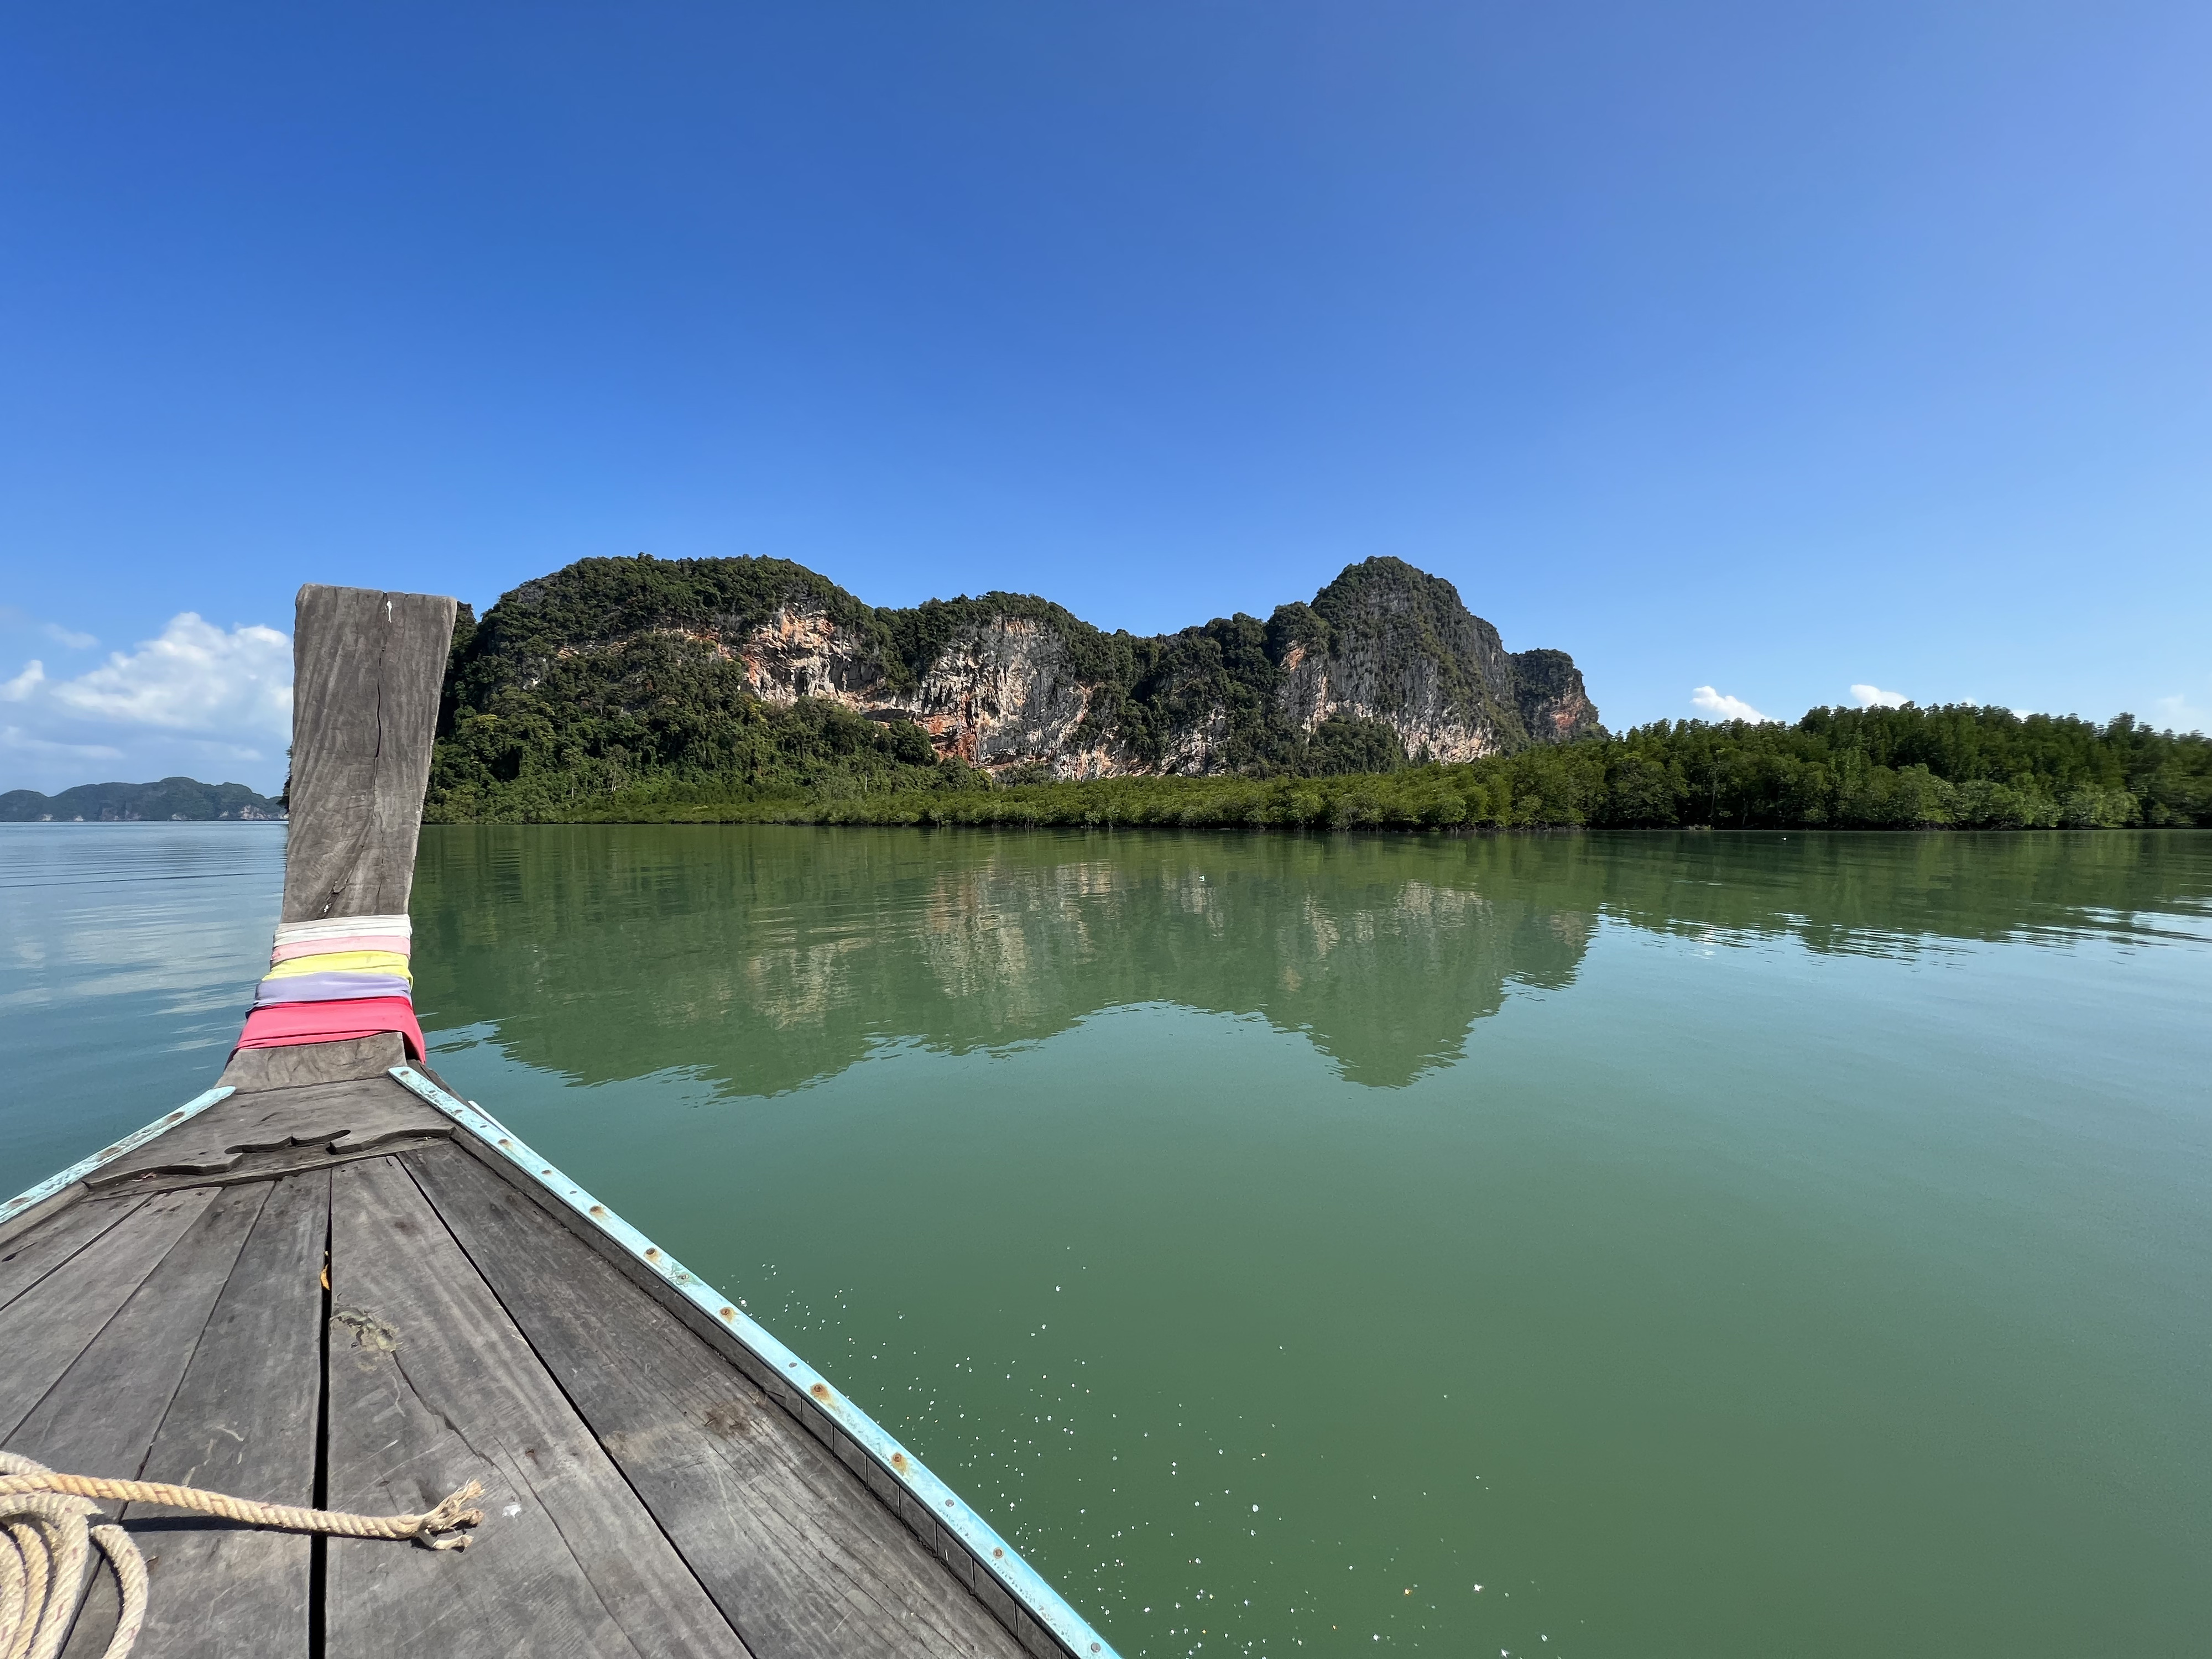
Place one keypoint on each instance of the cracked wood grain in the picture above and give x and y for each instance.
(367, 667)
(30, 1256)
(796, 1550)
(303, 1064)
(101, 1416)
(431, 1385)
(244, 1421)
(343, 1119)
(45, 1330)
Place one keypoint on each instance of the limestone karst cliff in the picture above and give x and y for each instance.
(626, 669)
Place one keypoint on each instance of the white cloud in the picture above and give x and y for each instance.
(13, 737)
(1722, 707)
(1873, 696)
(69, 637)
(212, 702)
(195, 677)
(222, 752)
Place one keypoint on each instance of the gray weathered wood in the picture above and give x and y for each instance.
(947, 1546)
(431, 1385)
(43, 1332)
(244, 1421)
(349, 1118)
(305, 1063)
(36, 1215)
(367, 668)
(30, 1257)
(797, 1551)
(101, 1416)
(290, 1160)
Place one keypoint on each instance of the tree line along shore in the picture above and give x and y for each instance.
(1962, 767)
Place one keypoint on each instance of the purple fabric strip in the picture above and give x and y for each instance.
(328, 987)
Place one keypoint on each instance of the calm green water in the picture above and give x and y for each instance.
(1712, 1245)
(128, 953)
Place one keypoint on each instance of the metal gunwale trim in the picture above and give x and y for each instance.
(130, 1143)
(1022, 1580)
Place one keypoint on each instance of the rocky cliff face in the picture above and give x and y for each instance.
(1004, 690)
(1386, 660)
(1548, 688)
(1402, 650)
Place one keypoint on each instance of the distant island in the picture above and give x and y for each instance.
(184, 800)
(741, 690)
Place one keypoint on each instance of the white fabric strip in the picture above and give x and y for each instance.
(303, 933)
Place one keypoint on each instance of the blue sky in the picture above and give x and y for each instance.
(1770, 349)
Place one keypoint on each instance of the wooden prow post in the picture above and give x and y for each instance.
(367, 668)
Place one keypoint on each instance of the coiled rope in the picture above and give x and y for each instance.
(46, 1536)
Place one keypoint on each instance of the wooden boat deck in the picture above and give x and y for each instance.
(329, 1293)
(335, 1288)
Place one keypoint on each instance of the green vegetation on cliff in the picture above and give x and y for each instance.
(755, 690)
(571, 729)
(1958, 767)
(615, 676)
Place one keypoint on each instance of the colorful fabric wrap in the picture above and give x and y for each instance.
(396, 943)
(329, 981)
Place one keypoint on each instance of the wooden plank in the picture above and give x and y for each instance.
(244, 1421)
(367, 667)
(796, 1550)
(946, 1545)
(101, 1418)
(315, 1062)
(431, 1385)
(23, 1221)
(26, 1259)
(276, 1166)
(350, 1117)
(44, 1331)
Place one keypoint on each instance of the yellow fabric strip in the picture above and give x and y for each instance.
(343, 962)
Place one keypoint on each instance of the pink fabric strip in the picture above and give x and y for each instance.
(282, 1024)
(394, 942)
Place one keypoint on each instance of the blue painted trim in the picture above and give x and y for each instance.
(138, 1138)
(1022, 1580)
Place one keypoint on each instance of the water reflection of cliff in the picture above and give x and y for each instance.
(762, 957)
(766, 958)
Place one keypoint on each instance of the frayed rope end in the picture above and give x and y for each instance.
(449, 1515)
